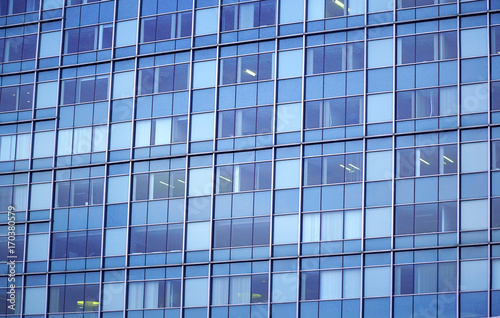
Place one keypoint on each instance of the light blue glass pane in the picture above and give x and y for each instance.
(474, 185)
(425, 306)
(203, 100)
(291, 11)
(427, 75)
(334, 85)
(474, 70)
(495, 67)
(447, 73)
(403, 306)
(227, 96)
(377, 308)
(332, 197)
(309, 309)
(426, 189)
(222, 202)
(405, 77)
(205, 22)
(286, 201)
(289, 90)
(262, 203)
(265, 93)
(350, 308)
(258, 311)
(378, 193)
(474, 304)
(243, 204)
(380, 80)
(127, 9)
(314, 87)
(239, 311)
(353, 195)
(195, 313)
(330, 309)
(447, 306)
(495, 179)
(311, 199)
(495, 303)
(246, 95)
(355, 83)
(283, 310)
(448, 188)
(405, 191)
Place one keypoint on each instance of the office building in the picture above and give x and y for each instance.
(233, 158)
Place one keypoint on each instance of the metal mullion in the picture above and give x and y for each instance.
(56, 126)
(301, 172)
(273, 156)
(25, 243)
(214, 170)
(275, 100)
(49, 249)
(184, 234)
(138, 30)
(271, 222)
(363, 178)
(393, 158)
(113, 35)
(131, 155)
(490, 267)
(186, 170)
(106, 167)
(131, 164)
(459, 154)
(193, 18)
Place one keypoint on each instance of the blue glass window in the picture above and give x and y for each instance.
(18, 6)
(156, 238)
(74, 298)
(248, 15)
(426, 218)
(16, 98)
(426, 161)
(245, 177)
(427, 103)
(241, 232)
(247, 68)
(88, 38)
(334, 58)
(427, 47)
(165, 27)
(419, 3)
(333, 169)
(163, 79)
(243, 122)
(154, 294)
(85, 89)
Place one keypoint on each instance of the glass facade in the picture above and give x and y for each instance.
(245, 158)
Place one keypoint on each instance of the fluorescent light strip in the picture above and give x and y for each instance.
(346, 168)
(448, 159)
(225, 178)
(340, 4)
(354, 167)
(425, 162)
(250, 72)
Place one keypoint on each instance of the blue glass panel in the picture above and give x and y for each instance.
(377, 308)
(474, 304)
